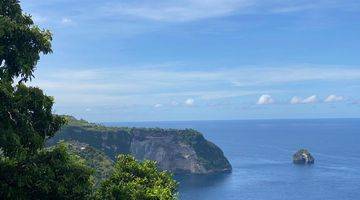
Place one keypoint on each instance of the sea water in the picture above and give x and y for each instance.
(260, 152)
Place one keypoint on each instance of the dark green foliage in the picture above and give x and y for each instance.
(50, 174)
(21, 42)
(132, 180)
(26, 119)
(25, 112)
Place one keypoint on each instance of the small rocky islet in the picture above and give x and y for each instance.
(303, 157)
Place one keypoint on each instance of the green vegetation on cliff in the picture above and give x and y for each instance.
(95, 159)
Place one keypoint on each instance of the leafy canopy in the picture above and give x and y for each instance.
(21, 42)
(50, 174)
(25, 112)
(27, 171)
(133, 180)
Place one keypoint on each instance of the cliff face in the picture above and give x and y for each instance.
(178, 151)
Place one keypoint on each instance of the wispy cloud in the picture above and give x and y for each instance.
(296, 100)
(314, 99)
(191, 10)
(294, 73)
(67, 21)
(179, 11)
(39, 19)
(164, 85)
(310, 99)
(158, 105)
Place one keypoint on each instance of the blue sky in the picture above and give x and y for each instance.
(201, 59)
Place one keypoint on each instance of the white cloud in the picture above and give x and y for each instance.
(310, 99)
(189, 102)
(265, 99)
(67, 21)
(158, 105)
(296, 100)
(333, 98)
(88, 109)
(313, 99)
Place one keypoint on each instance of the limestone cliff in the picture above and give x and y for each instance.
(178, 151)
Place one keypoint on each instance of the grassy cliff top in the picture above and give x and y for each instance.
(72, 121)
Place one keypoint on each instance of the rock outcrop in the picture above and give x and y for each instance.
(303, 156)
(178, 151)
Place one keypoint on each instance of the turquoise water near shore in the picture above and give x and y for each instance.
(260, 152)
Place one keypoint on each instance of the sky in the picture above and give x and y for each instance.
(145, 60)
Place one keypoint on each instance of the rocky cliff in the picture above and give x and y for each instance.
(178, 151)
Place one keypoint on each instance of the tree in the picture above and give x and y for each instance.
(133, 180)
(25, 112)
(21, 42)
(26, 119)
(27, 171)
(49, 174)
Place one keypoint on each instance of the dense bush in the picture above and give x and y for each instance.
(49, 174)
(133, 180)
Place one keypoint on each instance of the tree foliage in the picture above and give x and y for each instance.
(49, 174)
(132, 180)
(25, 112)
(27, 171)
(21, 42)
(26, 119)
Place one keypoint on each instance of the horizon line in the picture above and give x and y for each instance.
(250, 119)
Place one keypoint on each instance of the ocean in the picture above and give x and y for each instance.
(260, 152)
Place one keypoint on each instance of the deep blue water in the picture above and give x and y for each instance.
(260, 152)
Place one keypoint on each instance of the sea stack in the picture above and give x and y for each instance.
(303, 157)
